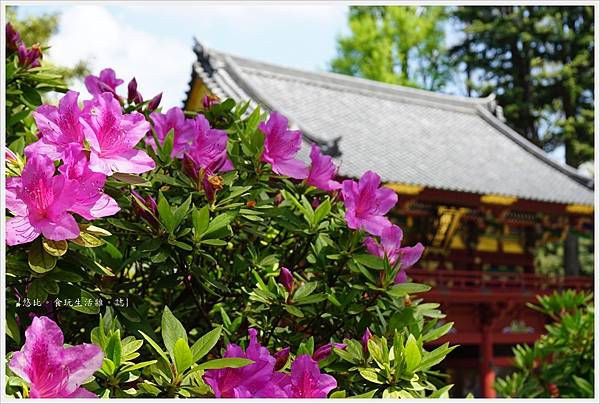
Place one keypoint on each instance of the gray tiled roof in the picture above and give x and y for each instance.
(406, 135)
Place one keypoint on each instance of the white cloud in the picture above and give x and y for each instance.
(92, 33)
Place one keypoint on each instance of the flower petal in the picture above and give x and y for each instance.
(292, 168)
(20, 231)
(63, 227)
(82, 361)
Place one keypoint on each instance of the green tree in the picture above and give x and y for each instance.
(398, 45)
(39, 29)
(539, 62)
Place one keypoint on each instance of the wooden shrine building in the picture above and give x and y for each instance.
(478, 195)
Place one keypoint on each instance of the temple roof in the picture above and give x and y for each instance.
(406, 135)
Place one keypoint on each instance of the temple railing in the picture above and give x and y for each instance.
(463, 280)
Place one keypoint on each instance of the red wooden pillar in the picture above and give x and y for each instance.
(487, 373)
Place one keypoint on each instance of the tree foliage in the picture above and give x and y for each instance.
(538, 60)
(398, 45)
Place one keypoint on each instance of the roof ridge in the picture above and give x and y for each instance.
(371, 85)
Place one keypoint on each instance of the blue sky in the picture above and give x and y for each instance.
(154, 42)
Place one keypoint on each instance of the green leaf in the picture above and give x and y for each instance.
(55, 248)
(114, 349)
(441, 393)
(293, 310)
(39, 260)
(321, 212)
(370, 375)
(171, 330)
(95, 230)
(403, 289)
(205, 343)
(87, 240)
(164, 213)
(437, 332)
(305, 290)
(156, 347)
(370, 261)
(182, 356)
(37, 291)
(219, 222)
(181, 211)
(338, 394)
(137, 366)
(200, 218)
(167, 146)
(223, 363)
(214, 241)
(12, 329)
(130, 179)
(412, 354)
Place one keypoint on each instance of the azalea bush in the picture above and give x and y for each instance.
(561, 363)
(157, 252)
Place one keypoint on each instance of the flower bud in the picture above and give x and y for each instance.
(147, 208)
(365, 339)
(315, 203)
(133, 96)
(286, 279)
(209, 100)
(278, 199)
(13, 39)
(14, 163)
(324, 351)
(281, 358)
(153, 104)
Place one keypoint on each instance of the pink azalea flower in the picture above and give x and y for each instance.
(307, 381)
(113, 136)
(322, 170)
(59, 128)
(52, 370)
(366, 203)
(90, 200)
(281, 147)
(107, 81)
(389, 246)
(206, 157)
(209, 147)
(184, 130)
(40, 203)
(254, 380)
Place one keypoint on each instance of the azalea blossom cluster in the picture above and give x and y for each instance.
(263, 378)
(91, 144)
(365, 201)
